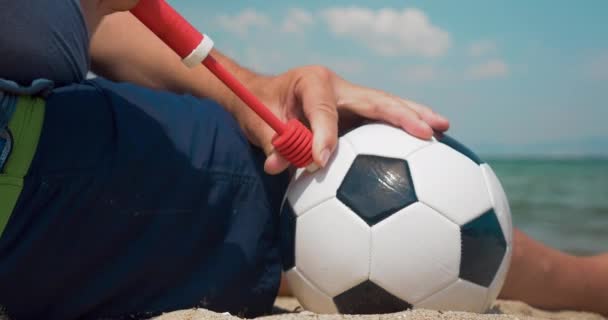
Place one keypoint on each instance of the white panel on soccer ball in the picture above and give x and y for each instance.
(394, 143)
(332, 247)
(461, 295)
(415, 252)
(308, 190)
(499, 201)
(449, 182)
(500, 277)
(308, 295)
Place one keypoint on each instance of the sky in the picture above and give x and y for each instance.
(514, 77)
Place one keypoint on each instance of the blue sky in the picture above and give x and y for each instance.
(514, 77)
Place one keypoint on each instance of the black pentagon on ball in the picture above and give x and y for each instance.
(288, 236)
(376, 187)
(454, 144)
(369, 298)
(483, 248)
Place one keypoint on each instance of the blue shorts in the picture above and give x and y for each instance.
(139, 202)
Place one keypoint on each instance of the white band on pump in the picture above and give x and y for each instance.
(200, 53)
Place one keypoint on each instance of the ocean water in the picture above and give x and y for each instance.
(561, 202)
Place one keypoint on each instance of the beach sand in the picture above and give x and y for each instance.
(289, 309)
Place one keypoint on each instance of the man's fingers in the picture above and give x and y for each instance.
(435, 120)
(319, 104)
(383, 107)
(415, 118)
(275, 164)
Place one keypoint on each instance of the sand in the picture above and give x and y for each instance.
(289, 309)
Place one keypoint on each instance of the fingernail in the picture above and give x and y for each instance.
(325, 157)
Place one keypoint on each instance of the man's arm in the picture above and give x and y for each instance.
(550, 279)
(122, 49)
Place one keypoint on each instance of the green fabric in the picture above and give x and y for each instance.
(25, 127)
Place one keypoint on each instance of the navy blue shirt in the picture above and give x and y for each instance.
(40, 39)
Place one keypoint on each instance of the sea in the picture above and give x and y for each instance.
(560, 202)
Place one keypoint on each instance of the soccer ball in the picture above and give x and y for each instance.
(394, 222)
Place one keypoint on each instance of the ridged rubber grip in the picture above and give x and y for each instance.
(295, 144)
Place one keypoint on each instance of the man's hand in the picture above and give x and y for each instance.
(328, 104)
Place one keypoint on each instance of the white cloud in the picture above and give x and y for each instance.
(490, 69)
(482, 48)
(243, 22)
(389, 32)
(297, 20)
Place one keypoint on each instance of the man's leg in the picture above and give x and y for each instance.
(139, 202)
(547, 278)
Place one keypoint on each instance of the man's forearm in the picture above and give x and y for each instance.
(123, 49)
